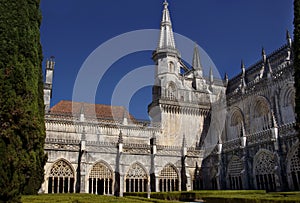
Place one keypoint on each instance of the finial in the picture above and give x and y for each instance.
(226, 76)
(120, 140)
(211, 75)
(288, 36)
(82, 108)
(196, 60)
(226, 79)
(125, 115)
(269, 66)
(274, 123)
(263, 52)
(82, 113)
(166, 3)
(153, 139)
(243, 66)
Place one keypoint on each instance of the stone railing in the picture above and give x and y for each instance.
(260, 137)
(232, 145)
(287, 130)
(104, 144)
(278, 61)
(62, 141)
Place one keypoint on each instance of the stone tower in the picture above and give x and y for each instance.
(181, 95)
(48, 83)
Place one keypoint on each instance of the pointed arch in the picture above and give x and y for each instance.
(136, 178)
(234, 173)
(287, 104)
(169, 178)
(237, 116)
(293, 167)
(261, 106)
(171, 90)
(61, 177)
(100, 179)
(236, 123)
(171, 67)
(264, 170)
(261, 114)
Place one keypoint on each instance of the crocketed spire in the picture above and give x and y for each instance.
(166, 40)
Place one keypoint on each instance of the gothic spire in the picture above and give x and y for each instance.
(243, 81)
(288, 38)
(226, 79)
(166, 40)
(82, 118)
(263, 54)
(268, 70)
(196, 59)
(120, 139)
(273, 120)
(243, 68)
(211, 75)
(125, 120)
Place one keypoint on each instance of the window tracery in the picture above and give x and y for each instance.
(294, 170)
(61, 178)
(136, 179)
(168, 179)
(100, 179)
(264, 171)
(234, 171)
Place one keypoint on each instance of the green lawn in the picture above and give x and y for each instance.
(84, 198)
(220, 196)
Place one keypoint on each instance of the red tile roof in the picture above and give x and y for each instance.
(102, 111)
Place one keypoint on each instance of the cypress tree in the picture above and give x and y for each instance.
(296, 48)
(22, 128)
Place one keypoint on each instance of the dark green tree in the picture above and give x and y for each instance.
(296, 49)
(22, 128)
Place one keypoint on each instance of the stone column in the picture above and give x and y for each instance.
(153, 180)
(245, 174)
(119, 178)
(121, 185)
(83, 174)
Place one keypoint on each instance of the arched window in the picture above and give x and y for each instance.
(171, 67)
(236, 124)
(197, 179)
(136, 179)
(288, 105)
(61, 178)
(100, 179)
(168, 179)
(264, 166)
(171, 91)
(261, 116)
(234, 173)
(293, 169)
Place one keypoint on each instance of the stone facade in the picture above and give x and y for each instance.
(259, 141)
(186, 146)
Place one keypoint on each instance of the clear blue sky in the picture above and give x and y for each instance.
(228, 31)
